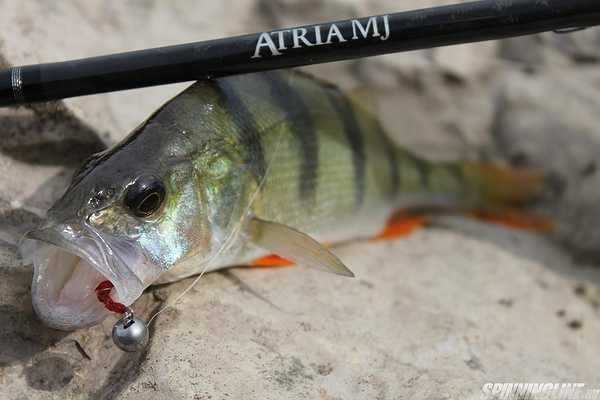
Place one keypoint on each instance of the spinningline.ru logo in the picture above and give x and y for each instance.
(539, 391)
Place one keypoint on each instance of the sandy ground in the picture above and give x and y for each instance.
(434, 315)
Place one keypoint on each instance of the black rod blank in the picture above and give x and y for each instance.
(284, 48)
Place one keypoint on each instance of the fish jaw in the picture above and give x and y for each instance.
(69, 262)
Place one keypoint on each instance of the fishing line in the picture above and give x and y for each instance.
(229, 240)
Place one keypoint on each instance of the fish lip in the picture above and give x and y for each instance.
(85, 243)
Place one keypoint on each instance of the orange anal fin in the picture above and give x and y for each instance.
(399, 225)
(270, 261)
(517, 220)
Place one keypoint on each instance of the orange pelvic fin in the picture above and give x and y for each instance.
(401, 224)
(270, 261)
(517, 220)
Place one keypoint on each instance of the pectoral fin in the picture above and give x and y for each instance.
(295, 246)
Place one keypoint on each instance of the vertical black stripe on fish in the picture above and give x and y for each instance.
(389, 149)
(423, 168)
(246, 127)
(353, 133)
(456, 171)
(301, 124)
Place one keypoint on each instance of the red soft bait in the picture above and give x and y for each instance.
(103, 293)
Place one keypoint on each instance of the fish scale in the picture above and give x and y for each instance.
(330, 169)
(234, 169)
(350, 174)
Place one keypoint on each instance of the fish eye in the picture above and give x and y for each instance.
(145, 196)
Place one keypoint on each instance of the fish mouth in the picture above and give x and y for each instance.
(69, 262)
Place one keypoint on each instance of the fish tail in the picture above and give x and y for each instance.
(467, 186)
(492, 193)
(502, 195)
(503, 186)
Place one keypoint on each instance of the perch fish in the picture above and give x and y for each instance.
(231, 171)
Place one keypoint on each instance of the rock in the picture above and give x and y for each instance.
(553, 49)
(581, 47)
(77, 31)
(534, 52)
(434, 315)
(40, 148)
(467, 62)
(293, 333)
(526, 50)
(392, 332)
(550, 121)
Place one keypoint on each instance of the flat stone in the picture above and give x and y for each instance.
(434, 315)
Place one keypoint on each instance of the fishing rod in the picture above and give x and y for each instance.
(293, 47)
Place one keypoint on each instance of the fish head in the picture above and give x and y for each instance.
(128, 216)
